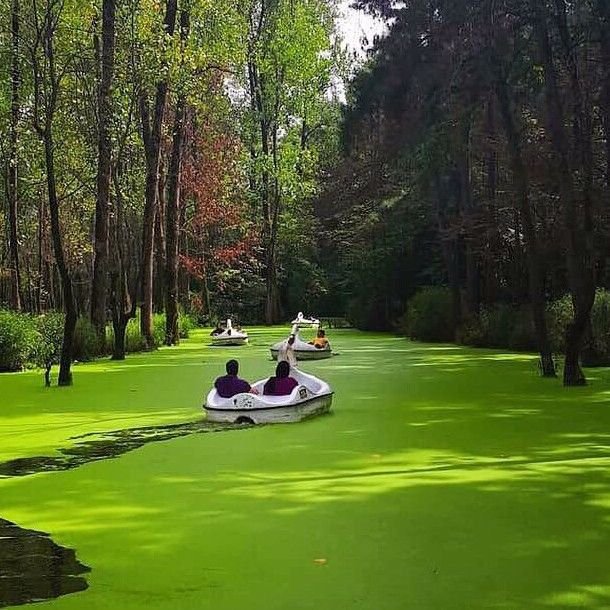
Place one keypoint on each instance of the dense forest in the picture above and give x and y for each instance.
(162, 157)
(476, 156)
(204, 159)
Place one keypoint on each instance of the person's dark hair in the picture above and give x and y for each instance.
(282, 369)
(232, 367)
(321, 333)
(291, 340)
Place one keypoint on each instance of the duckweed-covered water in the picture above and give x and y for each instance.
(445, 478)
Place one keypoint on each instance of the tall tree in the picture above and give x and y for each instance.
(500, 77)
(577, 220)
(172, 336)
(99, 285)
(288, 60)
(151, 137)
(47, 80)
(13, 160)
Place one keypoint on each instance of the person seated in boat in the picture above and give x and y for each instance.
(230, 384)
(286, 352)
(218, 330)
(282, 384)
(320, 342)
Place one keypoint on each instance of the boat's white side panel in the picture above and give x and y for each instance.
(318, 354)
(277, 415)
(229, 340)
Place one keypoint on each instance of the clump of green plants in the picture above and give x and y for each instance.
(19, 340)
(507, 326)
(429, 315)
(35, 341)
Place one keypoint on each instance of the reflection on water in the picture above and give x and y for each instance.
(33, 568)
(94, 446)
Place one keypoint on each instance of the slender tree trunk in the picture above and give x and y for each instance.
(467, 205)
(172, 334)
(604, 33)
(171, 235)
(46, 87)
(450, 250)
(160, 246)
(99, 285)
(151, 135)
(13, 185)
(41, 255)
(122, 305)
(65, 361)
(579, 260)
(183, 276)
(534, 256)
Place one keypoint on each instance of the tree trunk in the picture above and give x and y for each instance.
(579, 259)
(65, 361)
(99, 285)
(183, 276)
(449, 248)
(160, 246)
(603, 9)
(151, 135)
(172, 229)
(122, 305)
(534, 257)
(172, 336)
(13, 185)
(467, 205)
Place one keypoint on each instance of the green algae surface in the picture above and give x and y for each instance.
(444, 478)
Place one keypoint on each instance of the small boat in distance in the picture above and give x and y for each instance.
(302, 349)
(302, 321)
(229, 336)
(311, 397)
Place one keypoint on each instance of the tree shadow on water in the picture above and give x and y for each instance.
(33, 568)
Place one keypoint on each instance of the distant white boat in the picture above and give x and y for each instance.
(230, 337)
(303, 350)
(301, 320)
(311, 397)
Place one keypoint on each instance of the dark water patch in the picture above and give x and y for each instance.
(95, 446)
(33, 568)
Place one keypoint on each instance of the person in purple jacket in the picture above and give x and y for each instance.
(282, 384)
(230, 384)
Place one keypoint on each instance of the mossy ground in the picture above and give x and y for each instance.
(445, 478)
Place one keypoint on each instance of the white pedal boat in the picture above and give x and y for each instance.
(311, 397)
(303, 350)
(301, 320)
(230, 336)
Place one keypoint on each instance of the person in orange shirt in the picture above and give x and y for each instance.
(320, 342)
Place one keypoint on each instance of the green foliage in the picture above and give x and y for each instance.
(27, 340)
(507, 326)
(501, 326)
(19, 340)
(51, 329)
(596, 351)
(429, 315)
(134, 342)
(186, 323)
(86, 346)
(559, 315)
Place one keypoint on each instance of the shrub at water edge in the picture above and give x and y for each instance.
(429, 315)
